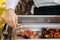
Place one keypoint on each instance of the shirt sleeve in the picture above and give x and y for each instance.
(57, 1)
(11, 4)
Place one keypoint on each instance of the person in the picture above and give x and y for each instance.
(40, 7)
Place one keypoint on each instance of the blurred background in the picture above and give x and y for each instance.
(2, 12)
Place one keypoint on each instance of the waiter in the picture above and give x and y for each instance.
(42, 7)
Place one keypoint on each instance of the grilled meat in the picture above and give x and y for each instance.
(50, 33)
(28, 34)
(24, 7)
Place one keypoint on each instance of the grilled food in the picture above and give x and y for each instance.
(28, 34)
(24, 7)
(50, 33)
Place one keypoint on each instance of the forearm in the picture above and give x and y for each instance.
(9, 10)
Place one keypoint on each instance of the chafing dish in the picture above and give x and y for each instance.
(36, 23)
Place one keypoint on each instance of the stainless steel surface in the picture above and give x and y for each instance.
(36, 22)
(37, 27)
(39, 19)
(37, 39)
(38, 15)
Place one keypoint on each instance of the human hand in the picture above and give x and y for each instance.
(11, 18)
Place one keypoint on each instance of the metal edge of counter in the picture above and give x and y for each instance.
(38, 15)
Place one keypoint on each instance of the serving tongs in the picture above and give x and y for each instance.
(17, 30)
(5, 31)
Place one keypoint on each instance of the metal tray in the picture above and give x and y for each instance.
(37, 27)
(36, 22)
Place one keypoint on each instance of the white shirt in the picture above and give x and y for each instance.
(38, 3)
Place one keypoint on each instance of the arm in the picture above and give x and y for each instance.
(11, 18)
